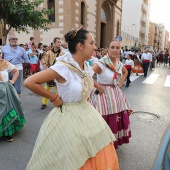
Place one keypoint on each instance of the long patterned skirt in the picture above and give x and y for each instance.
(138, 67)
(112, 105)
(11, 110)
(71, 138)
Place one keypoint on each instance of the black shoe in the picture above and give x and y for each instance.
(8, 138)
(127, 86)
(43, 106)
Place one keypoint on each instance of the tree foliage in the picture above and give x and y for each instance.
(22, 14)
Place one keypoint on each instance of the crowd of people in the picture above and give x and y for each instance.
(85, 110)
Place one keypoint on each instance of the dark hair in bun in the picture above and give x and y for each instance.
(74, 37)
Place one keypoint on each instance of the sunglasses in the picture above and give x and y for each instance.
(14, 38)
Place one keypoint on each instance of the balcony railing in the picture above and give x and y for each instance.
(142, 41)
(144, 8)
(142, 30)
(143, 19)
(156, 38)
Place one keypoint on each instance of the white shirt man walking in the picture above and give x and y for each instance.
(146, 59)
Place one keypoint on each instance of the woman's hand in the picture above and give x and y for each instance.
(119, 84)
(130, 112)
(58, 102)
(11, 81)
(100, 89)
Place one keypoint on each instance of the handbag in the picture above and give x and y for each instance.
(52, 83)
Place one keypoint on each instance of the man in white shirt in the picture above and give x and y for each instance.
(146, 59)
(129, 64)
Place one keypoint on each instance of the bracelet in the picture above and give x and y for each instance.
(54, 98)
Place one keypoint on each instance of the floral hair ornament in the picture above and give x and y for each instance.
(76, 31)
(71, 34)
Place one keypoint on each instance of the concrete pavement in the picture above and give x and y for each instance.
(146, 135)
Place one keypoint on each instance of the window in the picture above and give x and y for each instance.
(117, 33)
(51, 5)
(82, 13)
(103, 14)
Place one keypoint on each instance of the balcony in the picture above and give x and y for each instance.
(142, 41)
(155, 41)
(144, 8)
(143, 19)
(142, 30)
(156, 38)
(145, 1)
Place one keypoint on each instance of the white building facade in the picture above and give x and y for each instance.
(135, 23)
(163, 36)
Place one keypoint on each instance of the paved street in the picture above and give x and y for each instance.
(147, 96)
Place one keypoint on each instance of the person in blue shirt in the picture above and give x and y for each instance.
(16, 55)
(33, 60)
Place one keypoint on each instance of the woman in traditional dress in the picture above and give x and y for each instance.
(111, 102)
(73, 136)
(11, 110)
(138, 65)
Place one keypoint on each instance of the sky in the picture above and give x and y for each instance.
(160, 12)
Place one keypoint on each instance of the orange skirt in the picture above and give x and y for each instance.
(137, 69)
(106, 159)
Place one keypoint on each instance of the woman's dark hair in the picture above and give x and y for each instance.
(40, 44)
(31, 38)
(74, 37)
(130, 55)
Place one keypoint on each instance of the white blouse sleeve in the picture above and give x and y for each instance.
(90, 71)
(10, 67)
(100, 65)
(62, 70)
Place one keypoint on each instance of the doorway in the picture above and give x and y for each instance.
(102, 35)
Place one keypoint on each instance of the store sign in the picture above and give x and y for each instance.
(119, 38)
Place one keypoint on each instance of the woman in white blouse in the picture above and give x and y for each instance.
(73, 136)
(111, 103)
(11, 112)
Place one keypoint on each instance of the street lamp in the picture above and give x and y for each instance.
(131, 31)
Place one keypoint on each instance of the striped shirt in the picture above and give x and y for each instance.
(49, 58)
